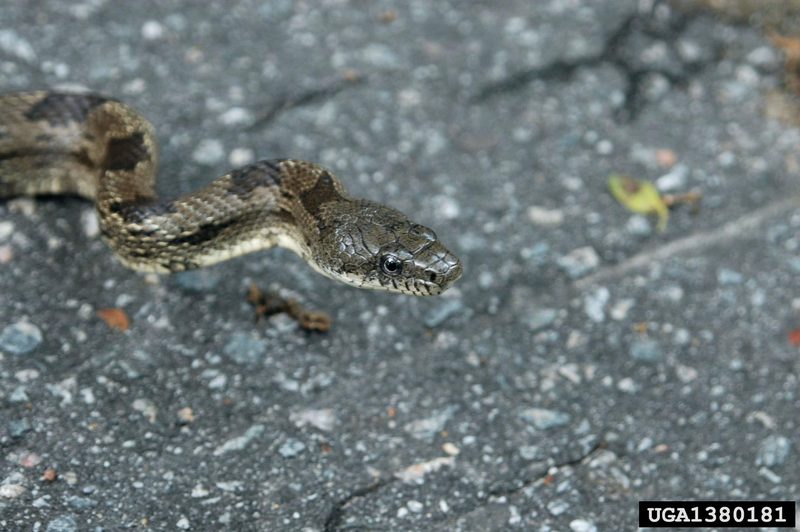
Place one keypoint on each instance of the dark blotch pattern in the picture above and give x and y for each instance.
(58, 109)
(323, 192)
(125, 153)
(205, 233)
(265, 173)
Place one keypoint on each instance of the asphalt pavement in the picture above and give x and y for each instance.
(584, 362)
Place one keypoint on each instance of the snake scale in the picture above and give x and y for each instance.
(103, 150)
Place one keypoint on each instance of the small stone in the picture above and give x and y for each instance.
(543, 419)
(241, 156)
(11, 490)
(11, 43)
(291, 448)
(240, 442)
(621, 308)
(763, 57)
(323, 419)
(579, 262)
(414, 506)
(183, 523)
(237, 116)
(675, 179)
(185, 415)
(245, 348)
(63, 523)
(428, 427)
(685, 374)
(557, 507)
(450, 449)
(530, 452)
(80, 503)
(20, 338)
(209, 152)
(581, 525)
(197, 280)
(627, 385)
(90, 224)
(18, 427)
(646, 350)
(604, 147)
(19, 395)
(545, 217)
(773, 451)
(152, 30)
(6, 230)
(541, 318)
(728, 277)
(594, 304)
(444, 311)
(638, 225)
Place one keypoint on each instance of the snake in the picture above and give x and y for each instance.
(101, 149)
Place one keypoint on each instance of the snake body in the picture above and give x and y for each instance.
(103, 150)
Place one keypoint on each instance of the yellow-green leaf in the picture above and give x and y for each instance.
(639, 196)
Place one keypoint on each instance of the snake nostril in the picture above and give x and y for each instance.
(432, 277)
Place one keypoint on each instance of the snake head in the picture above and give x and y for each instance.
(369, 245)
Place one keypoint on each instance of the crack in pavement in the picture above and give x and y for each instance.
(741, 227)
(333, 521)
(612, 52)
(525, 482)
(286, 101)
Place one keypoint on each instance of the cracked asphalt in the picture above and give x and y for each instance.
(584, 362)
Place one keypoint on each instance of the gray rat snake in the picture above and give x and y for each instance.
(102, 150)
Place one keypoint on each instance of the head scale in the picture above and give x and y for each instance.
(369, 245)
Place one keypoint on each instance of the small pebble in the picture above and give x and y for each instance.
(545, 217)
(183, 523)
(63, 523)
(197, 280)
(627, 385)
(674, 180)
(80, 503)
(245, 348)
(444, 311)
(237, 116)
(20, 338)
(428, 427)
(209, 152)
(18, 427)
(541, 318)
(581, 525)
(646, 350)
(6, 230)
(543, 419)
(11, 490)
(323, 419)
(11, 43)
(152, 30)
(638, 225)
(415, 506)
(240, 442)
(728, 277)
(579, 262)
(773, 451)
(241, 156)
(594, 304)
(19, 395)
(557, 507)
(291, 448)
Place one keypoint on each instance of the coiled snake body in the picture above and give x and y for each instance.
(101, 149)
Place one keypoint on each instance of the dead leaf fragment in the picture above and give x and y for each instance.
(116, 318)
(639, 196)
(794, 337)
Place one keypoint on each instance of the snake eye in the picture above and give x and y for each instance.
(391, 265)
